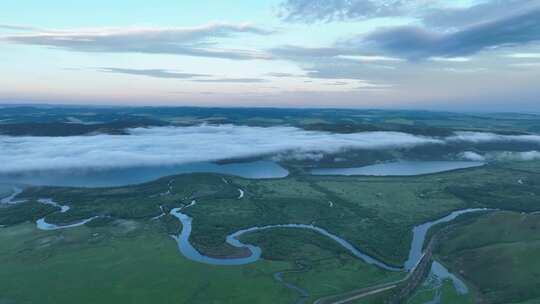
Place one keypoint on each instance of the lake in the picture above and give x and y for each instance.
(128, 176)
(400, 168)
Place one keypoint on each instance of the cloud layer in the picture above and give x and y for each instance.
(192, 41)
(481, 137)
(438, 13)
(156, 73)
(442, 31)
(160, 73)
(501, 156)
(418, 43)
(177, 145)
(332, 10)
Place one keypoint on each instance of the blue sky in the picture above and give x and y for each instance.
(450, 55)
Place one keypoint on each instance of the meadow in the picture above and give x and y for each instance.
(497, 255)
(124, 262)
(375, 214)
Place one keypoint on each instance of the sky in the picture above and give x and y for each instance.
(463, 55)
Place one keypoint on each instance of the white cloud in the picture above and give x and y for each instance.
(526, 65)
(525, 55)
(472, 156)
(501, 156)
(296, 155)
(464, 70)
(191, 41)
(370, 58)
(177, 145)
(514, 156)
(450, 59)
(481, 137)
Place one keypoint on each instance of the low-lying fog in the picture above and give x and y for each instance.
(172, 146)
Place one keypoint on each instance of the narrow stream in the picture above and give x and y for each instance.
(303, 294)
(41, 224)
(10, 200)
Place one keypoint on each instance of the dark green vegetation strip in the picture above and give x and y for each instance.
(327, 268)
(498, 255)
(72, 129)
(64, 121)
(22, 212)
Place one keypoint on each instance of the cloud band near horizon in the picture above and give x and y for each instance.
(158, 146)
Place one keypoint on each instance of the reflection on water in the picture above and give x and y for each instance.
(129, 176)
(401, 168)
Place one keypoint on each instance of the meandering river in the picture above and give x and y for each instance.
(415, 252)
(10, 199)
(42, 224)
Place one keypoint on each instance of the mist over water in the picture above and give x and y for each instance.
(165, 146)
(136, 175)
(146, 154)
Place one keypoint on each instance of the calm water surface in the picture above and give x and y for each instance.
(401, 168)
(130, 176)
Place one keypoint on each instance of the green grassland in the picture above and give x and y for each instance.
(5, 191)
(446, 293)
(497, 254)
(376, 214)
(125, 262)
(130, 261)
(321, 266)
(379, 298)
